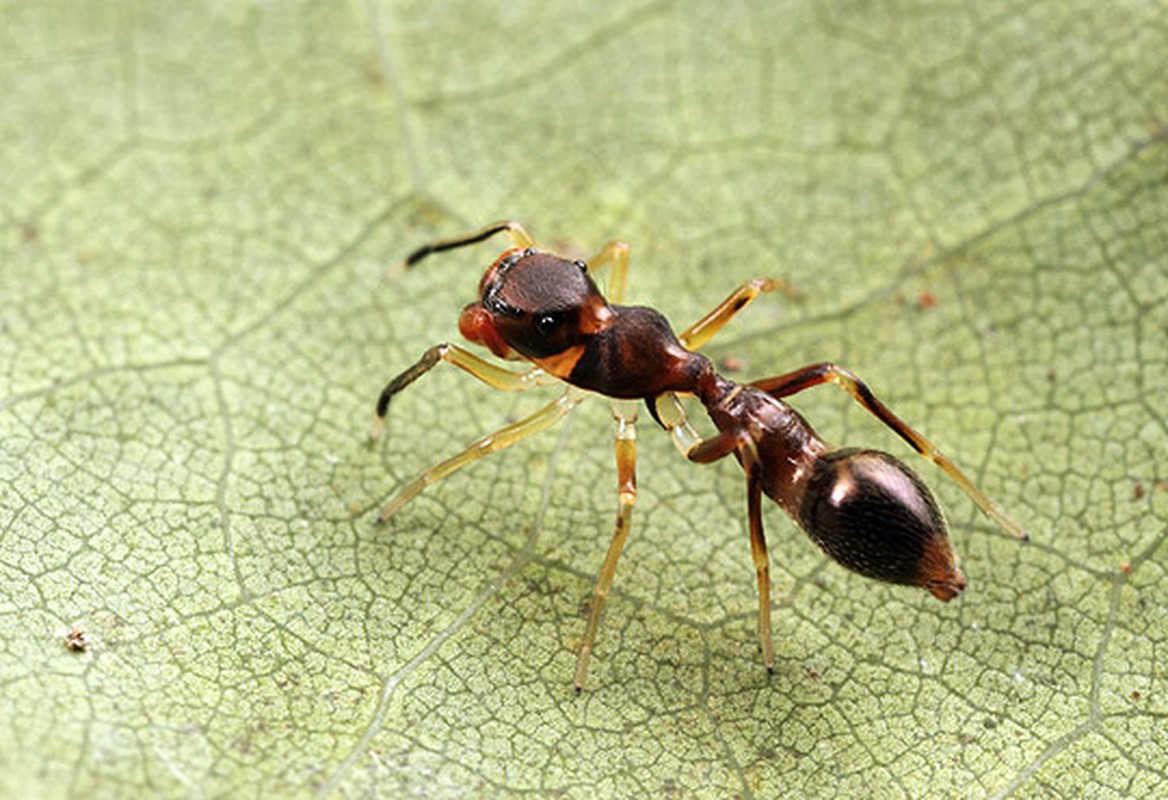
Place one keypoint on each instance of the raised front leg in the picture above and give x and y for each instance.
(515, 232)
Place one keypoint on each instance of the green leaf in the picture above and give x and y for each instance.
(200, 203)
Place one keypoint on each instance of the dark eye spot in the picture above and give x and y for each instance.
(582, 266)
(545, 324)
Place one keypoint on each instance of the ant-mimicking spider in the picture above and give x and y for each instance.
(864, 508)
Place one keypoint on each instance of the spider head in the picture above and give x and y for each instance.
(535, 305)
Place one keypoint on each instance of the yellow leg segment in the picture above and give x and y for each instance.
(617, 254)
(668, 407)
(625, 439)
(704, 329)
(758, 553)
(485, 371)
(539, 421)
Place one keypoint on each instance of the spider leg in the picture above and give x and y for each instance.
(800, 379)
(515, 232)
(625, 441)
(704, 329)
(617, 254)
(707, 451)
(541, 420)
(668, 409)
(758, 552)
(485, 371)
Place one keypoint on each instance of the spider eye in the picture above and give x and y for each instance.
(545, 324)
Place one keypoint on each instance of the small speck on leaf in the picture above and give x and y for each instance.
(77, 640)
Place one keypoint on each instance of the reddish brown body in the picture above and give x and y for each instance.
(867, 511)
(863, 508)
